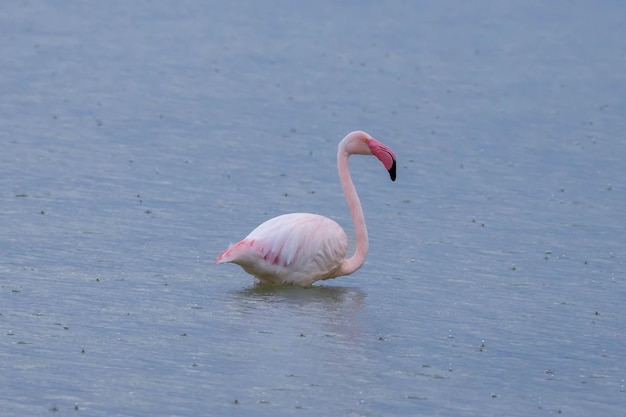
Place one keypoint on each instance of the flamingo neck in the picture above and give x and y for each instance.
(353, 263)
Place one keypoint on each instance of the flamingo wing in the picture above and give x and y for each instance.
(297, 248)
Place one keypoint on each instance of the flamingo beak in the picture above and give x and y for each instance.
(392, 171)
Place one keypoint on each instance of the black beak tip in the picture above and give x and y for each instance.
(392, 171)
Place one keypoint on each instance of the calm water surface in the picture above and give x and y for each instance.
(140, 138)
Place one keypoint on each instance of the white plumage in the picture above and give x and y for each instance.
(272, 252)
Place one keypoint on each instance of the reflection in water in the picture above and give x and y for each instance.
(331, 297)
(333, 310)
(291, 343)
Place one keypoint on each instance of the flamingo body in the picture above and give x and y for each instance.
(301, 248)
(296, 248)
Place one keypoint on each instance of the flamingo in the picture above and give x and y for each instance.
(302, 248)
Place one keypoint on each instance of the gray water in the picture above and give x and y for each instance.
(138, 139)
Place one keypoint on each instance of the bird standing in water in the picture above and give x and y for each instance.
(301, 248)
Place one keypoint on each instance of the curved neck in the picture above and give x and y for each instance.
(350, 265)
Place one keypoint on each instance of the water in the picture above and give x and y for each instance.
(139, 139)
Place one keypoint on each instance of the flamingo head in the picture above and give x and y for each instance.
(384, 155)
(362, 143)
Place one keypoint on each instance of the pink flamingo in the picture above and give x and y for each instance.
(301, 248)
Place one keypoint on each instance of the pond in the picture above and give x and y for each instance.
(140, 138)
